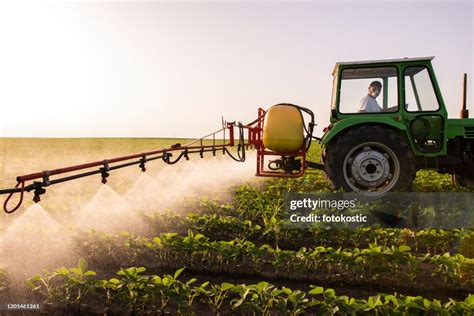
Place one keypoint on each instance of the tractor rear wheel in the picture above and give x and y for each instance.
(370, 159)
(463, 182)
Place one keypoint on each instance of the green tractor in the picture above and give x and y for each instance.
(378, 150)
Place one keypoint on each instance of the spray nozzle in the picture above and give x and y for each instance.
(105, 172)
(39, 190)
(104, 177)
(142, 163)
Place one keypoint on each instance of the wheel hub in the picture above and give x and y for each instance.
(370, 168)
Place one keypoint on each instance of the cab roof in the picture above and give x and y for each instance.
(381, 61)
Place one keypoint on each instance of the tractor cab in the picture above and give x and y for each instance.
(410, 99)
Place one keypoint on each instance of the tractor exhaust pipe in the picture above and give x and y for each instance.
(464, 110)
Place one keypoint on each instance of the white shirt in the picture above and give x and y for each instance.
(369, 104)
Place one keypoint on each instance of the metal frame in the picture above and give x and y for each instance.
(263, 152)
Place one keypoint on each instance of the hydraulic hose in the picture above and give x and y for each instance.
(20, 201)
(166, 158)
(240, 146)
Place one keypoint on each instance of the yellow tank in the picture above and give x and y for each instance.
(283, 129)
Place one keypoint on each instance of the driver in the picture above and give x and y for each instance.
(368, 103)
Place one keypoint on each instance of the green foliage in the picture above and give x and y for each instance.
(275, 233)
(138, 293)
(376, 262)
(66, 285)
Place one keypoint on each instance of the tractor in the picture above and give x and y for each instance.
(376, 152)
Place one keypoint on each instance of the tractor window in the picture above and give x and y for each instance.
(420, 95)
(354, 90)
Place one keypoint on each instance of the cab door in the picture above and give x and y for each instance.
(424, 110)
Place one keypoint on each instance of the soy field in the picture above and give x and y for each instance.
(206, 237)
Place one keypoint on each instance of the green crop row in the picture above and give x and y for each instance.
(388, 266)
(225, 227)
(392, 263)
(132, 291)
(428, 240)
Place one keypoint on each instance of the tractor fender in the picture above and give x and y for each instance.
(345, 124)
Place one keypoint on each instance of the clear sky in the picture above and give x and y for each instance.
(157, 69)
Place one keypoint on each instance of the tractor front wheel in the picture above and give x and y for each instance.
(370, 159)
(463, 182)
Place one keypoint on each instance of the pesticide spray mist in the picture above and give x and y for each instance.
(35, 240)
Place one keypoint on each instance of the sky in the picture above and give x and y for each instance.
(174, 69)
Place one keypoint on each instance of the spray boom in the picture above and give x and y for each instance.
(220, 141)
(210, 143)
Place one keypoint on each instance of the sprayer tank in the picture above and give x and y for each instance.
(283, 129)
